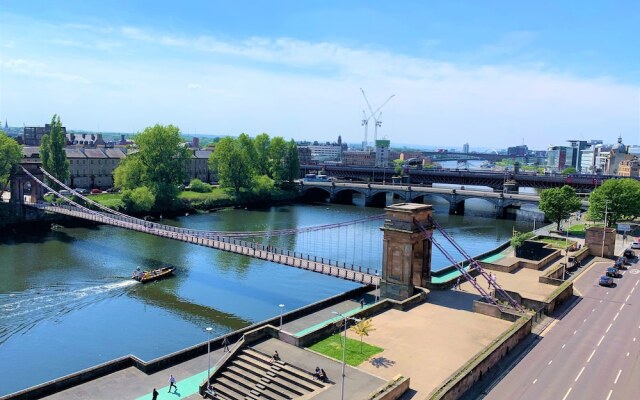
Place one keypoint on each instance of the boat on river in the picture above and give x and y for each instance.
(154, 275)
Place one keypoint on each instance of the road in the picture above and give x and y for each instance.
(593, 352)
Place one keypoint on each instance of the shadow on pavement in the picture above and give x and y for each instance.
(382, 362)
(455, 299)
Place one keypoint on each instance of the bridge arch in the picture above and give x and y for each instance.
(316, 194)
(24, 189)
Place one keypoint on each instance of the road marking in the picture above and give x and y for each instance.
(600, 340)
(534, 381)
(608, 328)
(627, 299)
(566, 395)
(580, 373)
(637, 282)
(585, 320)
(600, 301)
(607, 295)
(634, 339)
(574, 332)
(632, 289)
(622, 306)
(550, 362)
(593, 310)
(592, 353)
(618, 313)
(627, 354)
(617, 376)
(609, 396)
(564, 345)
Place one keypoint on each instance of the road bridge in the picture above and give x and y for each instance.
(375, 195)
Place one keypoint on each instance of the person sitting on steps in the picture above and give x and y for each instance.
(275, 357)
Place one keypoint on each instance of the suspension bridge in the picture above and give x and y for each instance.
(249, 243)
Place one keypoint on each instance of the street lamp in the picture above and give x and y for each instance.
(377, 283)
(208, 329)
(344, 349)
(281, 310)
(604, 228)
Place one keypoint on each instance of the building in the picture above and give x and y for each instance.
(93, 168)
(304, 155)
(359, 158)
(559, 158)
(617, 154)
(198, 167)
(518, 151)
(629, 168)
(32, 135)
(465, 148)
(85, 139)
(383, 152)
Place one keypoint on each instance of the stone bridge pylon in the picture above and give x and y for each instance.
(23, 188)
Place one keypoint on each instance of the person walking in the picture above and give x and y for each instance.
(362, 303)
(457, 284)
(154, 394)
(172, 383)
(225, 344)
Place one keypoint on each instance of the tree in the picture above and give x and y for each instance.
(263, 186)
(10, 156)
(261, 144)
(139, 199)
(129, 174)
(196, 185)
(362, 328)
(619, 197)
(277, 159)
(54, 158)
(293, 162)
(163, 160)
(558, 203)
(570, 170)
(232, 165)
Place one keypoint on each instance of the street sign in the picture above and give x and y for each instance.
(624, 227)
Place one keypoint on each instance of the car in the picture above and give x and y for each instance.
(112, 190)
(635, 245)
(81, 191)
(613, 272)
(606, 281)
(65, 192)
(96, 191)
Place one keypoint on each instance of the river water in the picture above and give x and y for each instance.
(67, 303)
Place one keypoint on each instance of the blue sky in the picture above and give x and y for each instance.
(491, 73)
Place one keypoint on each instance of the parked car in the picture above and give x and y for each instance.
(81, 190)
(613, 272)
(112, 190)
(65, 192)
(96, 191)
(635, 245)
(606, 281)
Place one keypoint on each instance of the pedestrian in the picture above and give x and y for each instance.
(457, 284)
(317, 374)
(172, 384)
(362, 303)
(275, 356)
(489, 281)
(154, 394)
(225, 344)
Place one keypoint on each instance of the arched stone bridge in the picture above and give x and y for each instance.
(375, 195)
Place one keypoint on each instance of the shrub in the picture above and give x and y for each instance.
(139, 199)
(196, 185)
(519, 239)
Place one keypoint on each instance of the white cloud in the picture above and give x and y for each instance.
(194, 86)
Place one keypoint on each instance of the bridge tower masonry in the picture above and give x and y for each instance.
(24, 189)
(406, 253)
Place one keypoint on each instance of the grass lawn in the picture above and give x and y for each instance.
(215, 195)
(578, 229)
(332, 347)
(111, 200)
(557, 243)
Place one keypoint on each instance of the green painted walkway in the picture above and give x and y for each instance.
(494, 257)
(332, 320)
(186, 388)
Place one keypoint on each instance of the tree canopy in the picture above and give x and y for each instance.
(232, 164)
(159, 164)
(54, 159)
(620, 198)
(10, 156)
(558, 203)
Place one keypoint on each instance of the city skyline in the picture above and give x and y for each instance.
(499, 74)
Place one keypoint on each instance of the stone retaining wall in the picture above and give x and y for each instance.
(391, 390)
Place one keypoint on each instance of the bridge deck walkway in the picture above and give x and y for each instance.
(292, 261)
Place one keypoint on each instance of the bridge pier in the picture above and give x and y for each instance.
(456, 208)
(406, 253)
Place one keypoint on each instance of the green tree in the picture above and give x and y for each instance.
(261, 144)
(570, 170)
(263, 186)
(619, 197)
(54, 158)
(163, 160)
(129, 174)
(10, 156)
(196, 185)
(398, 166)
(140, 199)
(248, 147)
(232, 165)
(277, 159)
(558, 203)
(363, 328)
(293, 162)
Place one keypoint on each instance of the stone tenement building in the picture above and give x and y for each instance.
(93, 167)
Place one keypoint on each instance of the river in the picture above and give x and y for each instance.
(67, 303)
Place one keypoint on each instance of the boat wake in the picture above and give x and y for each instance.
(19, 312)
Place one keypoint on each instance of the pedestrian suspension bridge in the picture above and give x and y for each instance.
(343, 240)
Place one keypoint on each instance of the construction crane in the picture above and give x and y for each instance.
(365, 123)
(377, 120)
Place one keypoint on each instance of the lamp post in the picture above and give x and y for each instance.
(344, 349)
(377, 285)
(208, 329)
(281, 310)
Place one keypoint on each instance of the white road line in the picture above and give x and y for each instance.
(622, 306)
(627, 299)
(600, 301)
(585, 320)
(593, 310)
(609, 396)
(637, 283)
(566, 395)
(618, 313)
(634, 339)
(608, 328)
(580, 373)
(607, 295)
(564, 345)
(627, 354)
(632, 289)
(550, 362)
(592, 353)
(574, 332)
(534, 381)
(617, 376)
(601, 339)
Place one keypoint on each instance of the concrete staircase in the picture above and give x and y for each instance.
(251, 375)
